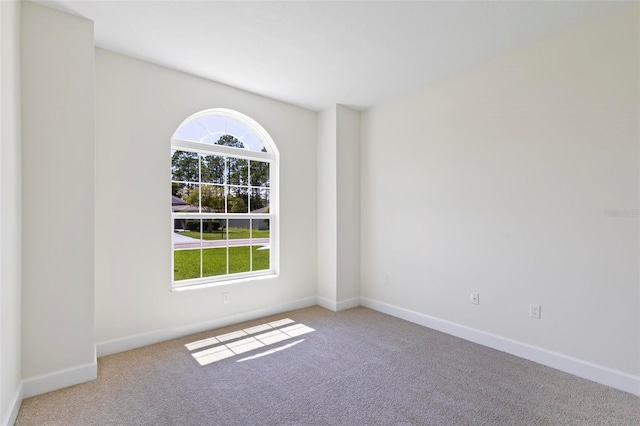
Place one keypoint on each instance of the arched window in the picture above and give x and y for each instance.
(224, 200)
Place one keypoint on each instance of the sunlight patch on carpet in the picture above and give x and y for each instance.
(238, 342)
(236, 334)
(270, 351)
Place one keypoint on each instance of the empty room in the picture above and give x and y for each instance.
(382, 212)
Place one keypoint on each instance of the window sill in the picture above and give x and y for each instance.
(198, 286)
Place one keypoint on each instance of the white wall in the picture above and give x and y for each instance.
(57, 195)
(138, 107)
(327, 205)
(498, 181)
(338, 207)
(10, 211)
(348, 202)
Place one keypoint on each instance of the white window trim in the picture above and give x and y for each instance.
(272, 156)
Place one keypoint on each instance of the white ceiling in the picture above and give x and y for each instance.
(315, 54)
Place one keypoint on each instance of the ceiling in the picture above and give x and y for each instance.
(315, 54)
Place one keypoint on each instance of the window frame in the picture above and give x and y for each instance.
(271, 156)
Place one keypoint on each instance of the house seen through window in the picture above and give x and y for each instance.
(223, 200)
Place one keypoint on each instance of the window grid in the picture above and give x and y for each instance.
(246, 186)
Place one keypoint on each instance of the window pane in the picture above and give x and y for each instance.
(261, 245)
(260, 258)
(260, 229)
(184, 197)
(184, 166)
(239, 249)
(259, 200)
(237, 200)
(214, 232)
(186, 264)
(214, 261)
(230, 140)
(253, 142)
(177, 203)
(259, 173)
(192, 131)
(212, 198)
(236, 129)
(190, 235)
(186, 233)
(212, 169)
(214, 253)
(238, 171)
(213, 138)
(239, 229)
(186, 249)
(212, 124)
(239, 259)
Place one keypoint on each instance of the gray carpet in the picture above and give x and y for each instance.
(358, 367)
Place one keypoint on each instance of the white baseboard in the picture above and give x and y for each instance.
(587, 370)
(327, 303)
(348, 304)
(143, 339)
(338, 306)
(59, 379)
(14, 407)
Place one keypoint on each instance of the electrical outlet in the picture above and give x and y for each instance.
(225, 297)
(475, 298)
(534, 311)
(386, 280)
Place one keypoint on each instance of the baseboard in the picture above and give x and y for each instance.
(343, 305)
(59, 379)
(338, 306)
(587, 370)
(327, 303)
(14, 407)
(143, 339)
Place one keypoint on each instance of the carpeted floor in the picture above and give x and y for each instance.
(357, 367)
